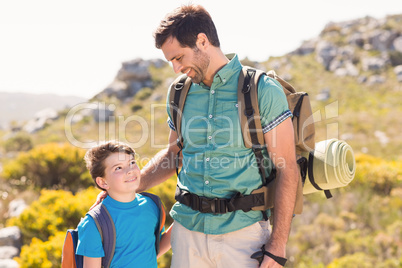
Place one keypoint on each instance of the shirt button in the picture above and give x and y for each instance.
(212, 91)
(210, 116)
(206, 182)
(210, 137)
(237, 105)
(207, 159)
(224, 80)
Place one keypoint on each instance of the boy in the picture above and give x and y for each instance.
(112, 166)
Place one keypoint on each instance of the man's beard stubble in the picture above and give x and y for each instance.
(201, 64)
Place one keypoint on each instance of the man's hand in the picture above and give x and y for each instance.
(102, 195)
(269, 262)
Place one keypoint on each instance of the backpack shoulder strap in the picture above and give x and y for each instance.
(287, 88)
(177, 97)
(107, 230)
(249, 113)
(162, 217)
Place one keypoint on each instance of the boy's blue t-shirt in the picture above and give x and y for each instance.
(135, 224)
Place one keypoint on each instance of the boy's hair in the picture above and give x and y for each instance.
(95, 157)
(185, 23)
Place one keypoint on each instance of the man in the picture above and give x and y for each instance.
(215, 162)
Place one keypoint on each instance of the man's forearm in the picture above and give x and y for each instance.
(284, 203)
(157, 170)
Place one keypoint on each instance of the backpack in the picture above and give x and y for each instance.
(107, 230)
(253, 137)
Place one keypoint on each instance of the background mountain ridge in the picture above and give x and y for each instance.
(23, 106)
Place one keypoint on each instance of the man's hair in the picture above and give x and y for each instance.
(95, 157)
(184, 24)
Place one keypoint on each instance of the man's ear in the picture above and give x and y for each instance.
(202, 41)
(102, 183)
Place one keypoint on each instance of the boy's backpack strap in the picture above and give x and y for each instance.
(162, 218)
(107, 230)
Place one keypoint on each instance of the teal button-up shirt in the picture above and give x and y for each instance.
(215, 161)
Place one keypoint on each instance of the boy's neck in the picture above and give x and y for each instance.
(124, 198)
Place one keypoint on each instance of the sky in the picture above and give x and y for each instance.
(76, 47)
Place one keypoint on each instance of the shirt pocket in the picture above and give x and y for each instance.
(227, 124)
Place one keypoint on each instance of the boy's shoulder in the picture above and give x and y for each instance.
(86, 222)
(149, 199)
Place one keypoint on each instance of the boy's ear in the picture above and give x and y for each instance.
(102, 183)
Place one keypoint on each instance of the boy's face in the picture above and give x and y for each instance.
(122, 175)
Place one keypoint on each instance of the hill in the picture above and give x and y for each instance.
(23, 106)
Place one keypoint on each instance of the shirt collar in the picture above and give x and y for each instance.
(227, 71)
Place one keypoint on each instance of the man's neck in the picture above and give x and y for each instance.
(218, 61)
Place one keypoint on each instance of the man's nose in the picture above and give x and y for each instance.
(177, 67)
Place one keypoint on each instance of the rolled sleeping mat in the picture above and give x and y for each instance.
(331, 165)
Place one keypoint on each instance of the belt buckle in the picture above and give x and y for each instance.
(208, 205)
(205, 205)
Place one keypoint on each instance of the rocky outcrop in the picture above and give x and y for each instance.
(398, 72)
(16, 207)
(363, 45)
(131, 78)
(40, 120)
(8, 263)
(10, 246)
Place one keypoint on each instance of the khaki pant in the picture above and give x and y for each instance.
(232, 250)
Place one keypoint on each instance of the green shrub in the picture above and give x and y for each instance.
(51, 166)
(20, 142)
(144, 93)
(54, 211)
(42, 254)
(395, 58)
(379, 175)
(360, 259)
(136, 107)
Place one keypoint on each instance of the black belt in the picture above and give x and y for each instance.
(219, 205)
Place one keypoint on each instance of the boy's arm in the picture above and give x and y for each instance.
(92, 262)
(164, 245)
(89, 242)
(161, 167)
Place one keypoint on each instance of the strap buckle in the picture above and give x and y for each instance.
(249, 112)
(204, 204)
(215, 205)
(179, 86)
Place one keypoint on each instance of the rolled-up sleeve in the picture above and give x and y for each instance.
(272, 104)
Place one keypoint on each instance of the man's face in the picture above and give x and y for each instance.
(192, 62)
